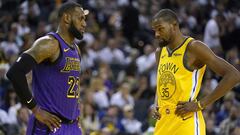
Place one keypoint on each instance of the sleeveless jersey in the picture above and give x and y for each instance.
(55, 85)
(174, 81)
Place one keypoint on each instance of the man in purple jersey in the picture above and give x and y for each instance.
(55, 63)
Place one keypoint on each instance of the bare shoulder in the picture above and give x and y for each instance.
(206, 56)
(44, 48)
(201, 51)
(197, 44)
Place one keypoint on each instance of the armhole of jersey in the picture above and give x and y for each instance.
(184, 61)
(79, 51)
(59, 56)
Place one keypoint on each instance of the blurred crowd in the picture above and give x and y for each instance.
(118, 60)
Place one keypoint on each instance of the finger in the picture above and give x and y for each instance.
(56, 120)
(179, 106)
(179, 111)
(182, 112)
(49, 126)
(157, 115)
(154, 115)
(181, 102)
(186, 115)
(54, 123)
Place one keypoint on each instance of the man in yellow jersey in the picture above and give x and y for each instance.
(182, 61)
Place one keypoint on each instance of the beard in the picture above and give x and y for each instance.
(163, 43)
(75, 32)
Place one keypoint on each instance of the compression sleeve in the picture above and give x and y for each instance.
(17, 75)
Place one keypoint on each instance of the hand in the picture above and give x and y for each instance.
(155, 113)
(184, 108)
(52, 121)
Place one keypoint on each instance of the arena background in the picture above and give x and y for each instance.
(118, 63)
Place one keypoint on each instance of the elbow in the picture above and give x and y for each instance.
(236, 76)
(13, 72)
(10, 74)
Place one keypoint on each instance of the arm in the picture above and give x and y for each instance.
(24, 64)
(230, 77)
(157, 56)
(155, 113)
(43, 49)
(81, 106)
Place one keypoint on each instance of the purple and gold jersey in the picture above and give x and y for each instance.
(55, 85)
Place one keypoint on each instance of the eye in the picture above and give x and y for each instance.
(160, 29)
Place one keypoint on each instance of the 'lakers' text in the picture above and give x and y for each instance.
(72, 64)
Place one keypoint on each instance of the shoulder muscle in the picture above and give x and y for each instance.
(43, 48)
(206, 56)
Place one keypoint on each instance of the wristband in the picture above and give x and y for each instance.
(199, 105)
(31, 103)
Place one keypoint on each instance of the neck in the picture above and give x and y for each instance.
(65, 35)
(177, 40)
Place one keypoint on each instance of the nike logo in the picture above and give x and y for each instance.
(29, 100)
(66, 49)
(19, 58)
(177, 54)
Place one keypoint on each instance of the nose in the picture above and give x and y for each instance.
(157, 34)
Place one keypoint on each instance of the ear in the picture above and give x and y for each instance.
(174, 26)
(67, 18)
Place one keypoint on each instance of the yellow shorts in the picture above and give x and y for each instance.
(170, 124)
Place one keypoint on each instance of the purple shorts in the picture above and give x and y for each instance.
(37, 128)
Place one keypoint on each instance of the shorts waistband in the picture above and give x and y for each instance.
(64, 120)
(67, 121)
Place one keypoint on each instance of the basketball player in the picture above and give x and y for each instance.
(55, 63)
(182, 61)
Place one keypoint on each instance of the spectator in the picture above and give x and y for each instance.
(90, 119)
(228, 125)
(123, 96)
(213, 32)
(130, 124)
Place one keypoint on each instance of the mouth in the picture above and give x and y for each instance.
(82, 30)
(160, 40)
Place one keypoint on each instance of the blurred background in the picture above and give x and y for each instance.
(118, 64)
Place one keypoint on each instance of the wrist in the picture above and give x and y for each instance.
(31, 103)
(35, 109)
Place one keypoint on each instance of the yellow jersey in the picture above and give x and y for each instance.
(175, 83)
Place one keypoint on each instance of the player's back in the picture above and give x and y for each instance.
(55, 85)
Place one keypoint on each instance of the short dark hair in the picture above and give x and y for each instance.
(66, 7)
(167, 15)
